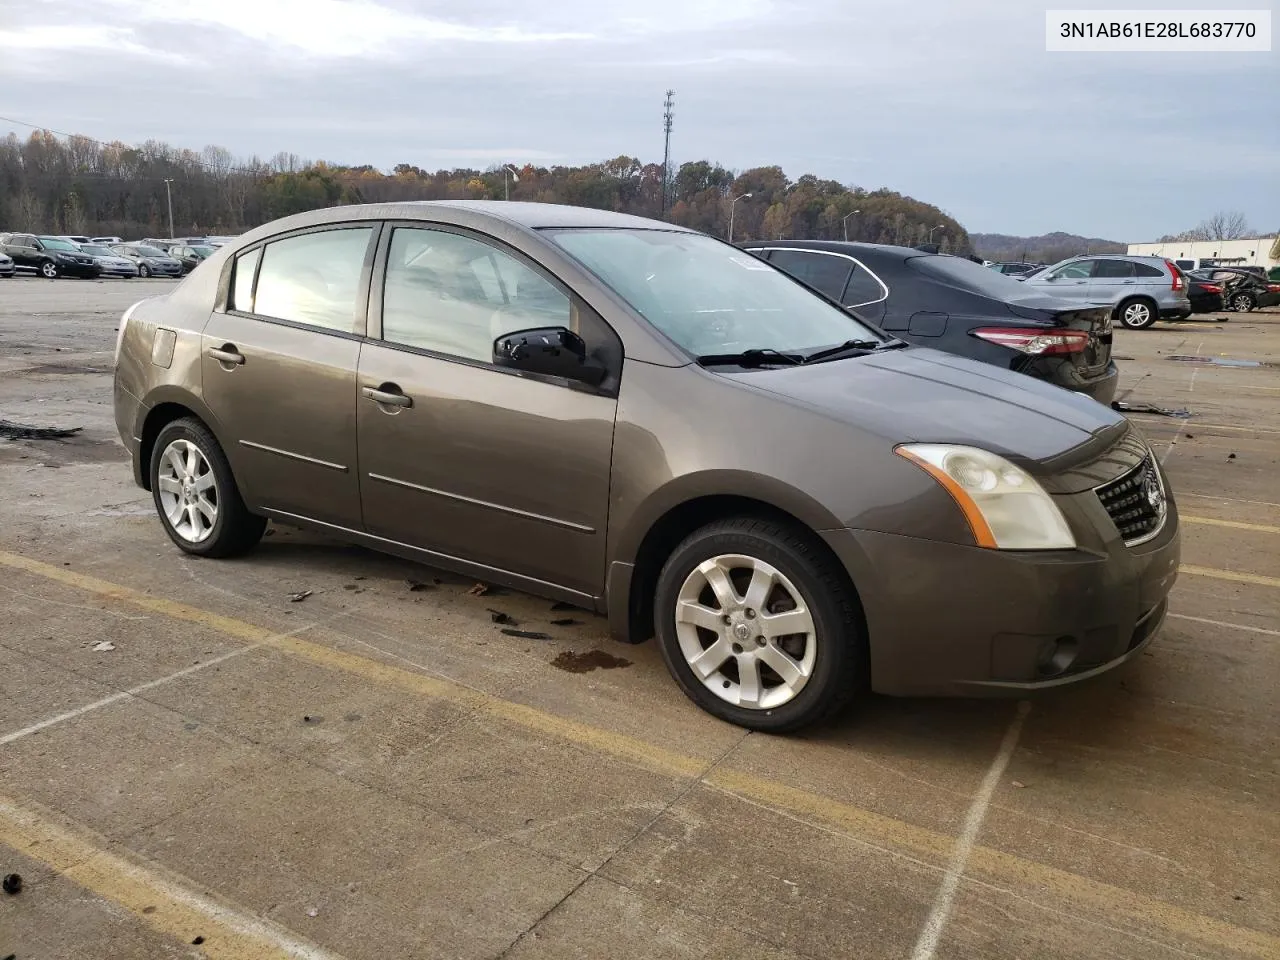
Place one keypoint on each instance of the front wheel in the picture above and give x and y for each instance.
(1243, 302)
(1137, 314)
(759, 625)
(144, 271)
(49, 270)
(195, 493)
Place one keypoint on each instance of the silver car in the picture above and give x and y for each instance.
(1141, 290)
(111, 264)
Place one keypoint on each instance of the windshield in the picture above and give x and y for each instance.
(52, 243)
(970, 276)
(149, 252)
(95, 250)
(709, 297)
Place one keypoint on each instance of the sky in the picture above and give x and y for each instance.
(954, 102)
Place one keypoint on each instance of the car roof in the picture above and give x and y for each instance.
(477, 213)
(840, 246)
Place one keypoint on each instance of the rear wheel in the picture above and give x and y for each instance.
(1137, 314)
(49, 270)
(195, 493)
(759, 626)
(1243, 302)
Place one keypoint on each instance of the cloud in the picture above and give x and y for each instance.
(957, 104)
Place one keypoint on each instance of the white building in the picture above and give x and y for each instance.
(1255, 251)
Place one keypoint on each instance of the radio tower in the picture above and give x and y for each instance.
(666, 149)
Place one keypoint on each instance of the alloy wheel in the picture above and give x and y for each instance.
(49, 270)
(745, 632)
(188, 491)
(1137, 315)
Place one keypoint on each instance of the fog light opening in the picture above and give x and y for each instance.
(1056, 656)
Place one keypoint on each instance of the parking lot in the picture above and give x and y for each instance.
(194, 762)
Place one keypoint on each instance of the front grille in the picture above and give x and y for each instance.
(1135, 502)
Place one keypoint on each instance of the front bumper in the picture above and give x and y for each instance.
(86, 271)
(951, 620)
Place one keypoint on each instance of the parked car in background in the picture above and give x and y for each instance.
(191, 256)
(74, 239)
(1205, 294)
(110, 263)
(1139, 290)
(106, 241)
(953, 304)
(1015, 269)
(151, 261)
(50, 257)
(1242, 290)
(7, 267)
(1030, 543)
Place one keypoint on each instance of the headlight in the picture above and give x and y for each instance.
(1005, 506)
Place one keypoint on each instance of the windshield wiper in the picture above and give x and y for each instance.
(755, 357)
(852, 348)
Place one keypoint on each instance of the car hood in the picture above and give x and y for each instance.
(919, 394)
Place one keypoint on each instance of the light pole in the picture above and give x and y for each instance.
(931, 229)
(733, 204)
(508, 174)
(844, 221)
(169, 196)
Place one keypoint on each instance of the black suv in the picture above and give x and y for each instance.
(48, 256)
(953, 304)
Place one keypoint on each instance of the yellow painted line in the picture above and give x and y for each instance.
(1001, 869)
(1254, 578)
(859, 825)
(1233, 524)
(160, 899)
(1175, 422)
(644, 754)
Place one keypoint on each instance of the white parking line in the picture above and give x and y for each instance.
(1230, 626)
(931, 934)
(140, 688)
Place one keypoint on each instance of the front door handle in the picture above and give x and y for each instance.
(227, 354)
(390, 398)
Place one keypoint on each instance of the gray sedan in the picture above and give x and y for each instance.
(151, 261)
(111, 264)
(647, 422)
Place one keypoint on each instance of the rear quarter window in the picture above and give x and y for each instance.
(1147, 270)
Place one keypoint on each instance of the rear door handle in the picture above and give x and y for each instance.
(386, 397)
(227, 354)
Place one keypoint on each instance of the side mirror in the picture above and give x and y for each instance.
(550, 351)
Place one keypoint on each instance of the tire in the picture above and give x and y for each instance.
(829, 658)
(1243, 302)
(49, 270)
(1137, 313)
(233, 530)
(144, 271)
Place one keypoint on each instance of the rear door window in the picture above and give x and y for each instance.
(1114, 269)
(313, 278)
(864, 287)
(825, 272)
(242, 281)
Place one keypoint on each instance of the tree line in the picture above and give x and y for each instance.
(76, 185)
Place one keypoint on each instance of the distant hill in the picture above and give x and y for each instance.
(1049, 248)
